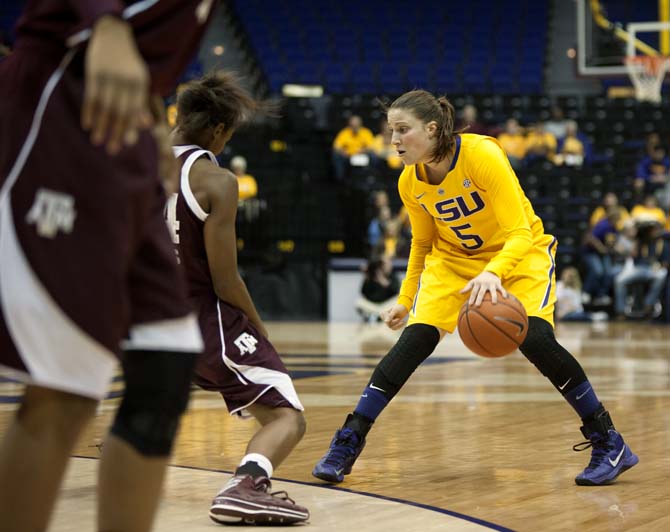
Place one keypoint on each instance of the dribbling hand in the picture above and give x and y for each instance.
(395, 316)
(116, 86)
(484, 282)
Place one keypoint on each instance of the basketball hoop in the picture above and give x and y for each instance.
(647, 73)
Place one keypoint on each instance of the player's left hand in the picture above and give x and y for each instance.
(484, 282)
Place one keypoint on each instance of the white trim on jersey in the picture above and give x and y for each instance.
(242, 410)
(183, 148)
(180, 335)
(129, 12)
(185, 185)
(258, 375)
(56, 352)
(60, 355)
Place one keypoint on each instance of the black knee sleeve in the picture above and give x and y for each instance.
(550, 357)
(156, 394)
(415, 344)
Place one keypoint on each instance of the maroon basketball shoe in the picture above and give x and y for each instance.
(248, 500)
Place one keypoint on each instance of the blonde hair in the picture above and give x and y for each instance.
(571, 279)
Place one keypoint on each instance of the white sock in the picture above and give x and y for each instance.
(261, 460)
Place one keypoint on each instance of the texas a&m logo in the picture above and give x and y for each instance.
(52, 212)
(246, 343)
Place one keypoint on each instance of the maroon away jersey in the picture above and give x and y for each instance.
(167, 32)
(186, 221)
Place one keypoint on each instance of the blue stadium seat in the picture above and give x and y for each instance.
(509, 39)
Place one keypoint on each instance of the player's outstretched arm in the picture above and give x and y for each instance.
(116, 86)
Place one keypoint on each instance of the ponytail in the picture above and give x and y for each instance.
(446, 137)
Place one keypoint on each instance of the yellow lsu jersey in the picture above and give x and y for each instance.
(477, 212)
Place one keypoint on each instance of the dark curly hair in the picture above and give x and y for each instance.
(216, 98)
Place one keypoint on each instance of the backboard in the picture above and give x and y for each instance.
(609, 31)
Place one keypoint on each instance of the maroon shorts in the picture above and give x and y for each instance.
(86, 259)
(238, 361)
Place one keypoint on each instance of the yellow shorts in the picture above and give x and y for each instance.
(532, 281)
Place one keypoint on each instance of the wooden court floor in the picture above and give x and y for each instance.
(469, 444)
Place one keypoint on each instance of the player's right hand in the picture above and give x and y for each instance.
(395, 316)
(116, 86)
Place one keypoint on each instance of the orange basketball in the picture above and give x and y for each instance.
(493, 330)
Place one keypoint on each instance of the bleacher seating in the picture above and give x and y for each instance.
(378, 47)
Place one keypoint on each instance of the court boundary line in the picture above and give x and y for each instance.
(457, 515)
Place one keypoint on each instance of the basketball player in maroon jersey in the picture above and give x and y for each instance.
(238, 360)
(85, 258)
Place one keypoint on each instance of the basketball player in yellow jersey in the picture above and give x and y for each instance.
(473, 231)
(475, 219)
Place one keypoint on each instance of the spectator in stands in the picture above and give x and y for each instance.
(171, 114)
(653, 140)
(248, 188)
(352, 146)
(249, 206)
(391, 237)
(649, 211)
(653, 171)
(513, 142)
(171, 110)
(571, 149)
(569, 305)
(610, 200)
(624, 247)
(597, 254)
(469, 121)
(381, 214)
(647, 262)
(404, 233)
(558, 124)
(540, 144)
(377, 229)
(388, 234)
(386, 154)
(380, 287)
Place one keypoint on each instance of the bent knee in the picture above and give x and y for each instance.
(300, 424)
(288, 416)
(295, 419)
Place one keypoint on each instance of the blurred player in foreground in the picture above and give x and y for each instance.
(85, 257)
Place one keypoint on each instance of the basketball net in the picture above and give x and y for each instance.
(647, 73)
